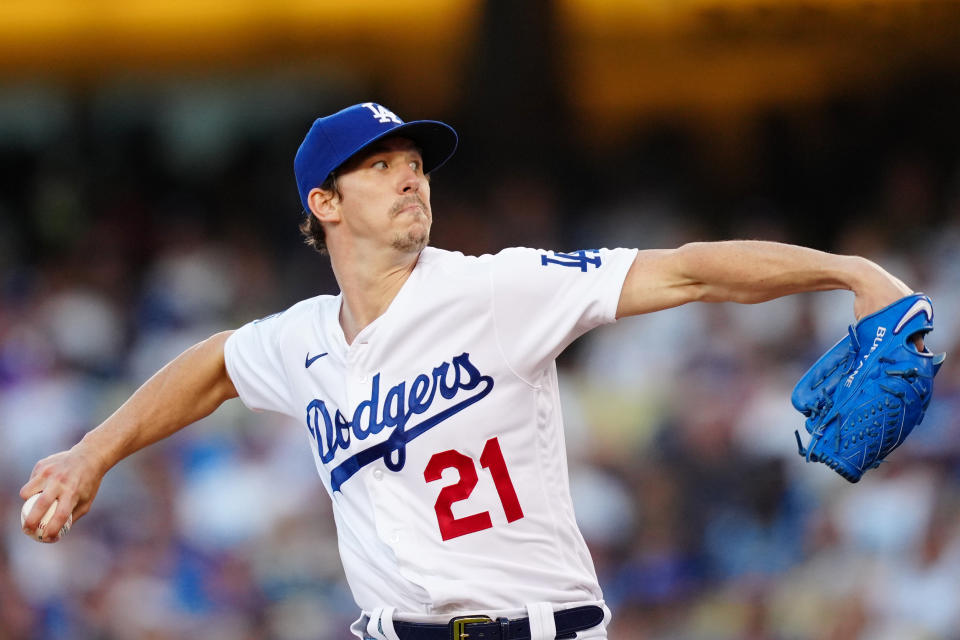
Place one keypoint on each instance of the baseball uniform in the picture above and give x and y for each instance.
(438, 432)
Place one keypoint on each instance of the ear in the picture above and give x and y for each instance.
(325, 205)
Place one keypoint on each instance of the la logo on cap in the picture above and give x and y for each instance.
(382, 114)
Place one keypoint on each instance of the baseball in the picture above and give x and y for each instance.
(28, 505)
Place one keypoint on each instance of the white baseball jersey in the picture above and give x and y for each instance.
(438, 431)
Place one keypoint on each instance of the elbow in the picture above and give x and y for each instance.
(710, 272)
(689, 284)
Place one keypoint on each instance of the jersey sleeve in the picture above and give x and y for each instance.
(544, 300)
(253, 359)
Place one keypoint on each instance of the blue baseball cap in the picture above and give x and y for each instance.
(333, 139)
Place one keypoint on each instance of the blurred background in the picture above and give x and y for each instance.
(147, 200)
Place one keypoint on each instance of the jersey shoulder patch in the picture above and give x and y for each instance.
(582, 259)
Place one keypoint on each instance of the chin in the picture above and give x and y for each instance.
(412, 242)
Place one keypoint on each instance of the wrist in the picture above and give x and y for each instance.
(854, 272)
(94, 453)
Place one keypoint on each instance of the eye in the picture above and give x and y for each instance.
(415, 165)
(379, 164)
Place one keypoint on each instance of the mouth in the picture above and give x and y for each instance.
(410, 205)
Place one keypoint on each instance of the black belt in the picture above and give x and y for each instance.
(568, 622)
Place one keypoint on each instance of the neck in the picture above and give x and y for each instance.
(368, 288)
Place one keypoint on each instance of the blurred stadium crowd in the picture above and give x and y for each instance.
(124, 239)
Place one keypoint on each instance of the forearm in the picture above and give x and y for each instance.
(749, 271)
(187, 389)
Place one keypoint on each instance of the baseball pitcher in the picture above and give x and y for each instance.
(426, 389)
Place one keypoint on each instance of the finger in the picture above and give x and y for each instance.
(32, 521)
(51, 531)
(39, 476)
(34, 484)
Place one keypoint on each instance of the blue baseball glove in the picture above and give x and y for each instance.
(866, 394)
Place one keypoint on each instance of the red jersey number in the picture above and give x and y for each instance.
(492, 459)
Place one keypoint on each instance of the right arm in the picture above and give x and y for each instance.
(187, 389)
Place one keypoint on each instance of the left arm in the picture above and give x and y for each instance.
(750, 271)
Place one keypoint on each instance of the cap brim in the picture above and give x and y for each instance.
(437, 141)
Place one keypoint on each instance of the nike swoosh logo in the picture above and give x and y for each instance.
(309, 361)
(920, 306)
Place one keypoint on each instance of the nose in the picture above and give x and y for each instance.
(410, 180)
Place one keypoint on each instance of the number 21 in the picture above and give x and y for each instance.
(491, 458)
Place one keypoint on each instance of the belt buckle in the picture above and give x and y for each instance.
(458, 626)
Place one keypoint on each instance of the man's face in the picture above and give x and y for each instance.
(386, 196)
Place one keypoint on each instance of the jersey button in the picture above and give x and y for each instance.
(377, 474)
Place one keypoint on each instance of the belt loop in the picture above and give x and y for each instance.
(543, 626)
(380, 625)
(386, 623)
(373, 624)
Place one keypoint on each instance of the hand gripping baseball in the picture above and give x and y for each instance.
(72, 479)
(866, 394)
